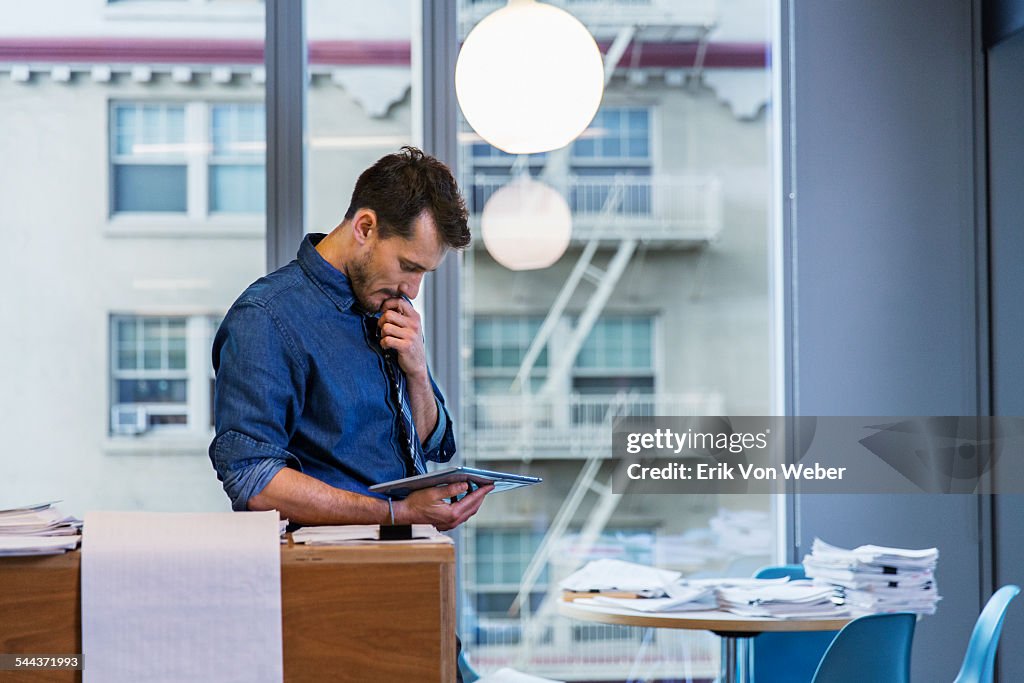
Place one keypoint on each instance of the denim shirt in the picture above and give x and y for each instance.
(302, 382)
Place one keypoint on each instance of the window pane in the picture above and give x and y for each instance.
(238, 130)
(127, 359)
(152, 391)
(154, 188)
(237, 189)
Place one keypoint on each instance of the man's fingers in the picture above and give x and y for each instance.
(398, 304)
(395, 318)
(392, 330)
(451, 490)
(471, 502)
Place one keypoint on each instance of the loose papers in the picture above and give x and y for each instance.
(874, 578)
(181, 597)
(617, 575)
(363, 533)
(38, 529)
(792, 600)
(660, 590)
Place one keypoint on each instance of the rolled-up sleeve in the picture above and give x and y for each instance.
(258, 395)
(440, 445)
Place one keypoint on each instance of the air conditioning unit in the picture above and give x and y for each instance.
(129, 420)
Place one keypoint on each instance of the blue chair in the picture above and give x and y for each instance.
(871, 648)
(979, 661)
(788, 657)
(469, 674)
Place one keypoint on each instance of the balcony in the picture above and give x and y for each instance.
(679, 211)
(662, 20)
(565, 427)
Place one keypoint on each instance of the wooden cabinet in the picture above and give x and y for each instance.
(378, 612)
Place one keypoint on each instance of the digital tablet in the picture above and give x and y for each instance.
(503, 481)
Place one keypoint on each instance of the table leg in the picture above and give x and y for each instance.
(737, 659)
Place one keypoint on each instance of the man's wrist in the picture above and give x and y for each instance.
(399, 511)
(419, 378)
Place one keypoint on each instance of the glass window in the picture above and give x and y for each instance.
(618, 343)
(236, 164)
(149, 162)
(159, 150)
(501, 342)
(151, 371)
(670, 195)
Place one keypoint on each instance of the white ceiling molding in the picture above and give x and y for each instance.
(259, 75)
(20, 73)
(375, 88)
(142, 74)
(746, 91)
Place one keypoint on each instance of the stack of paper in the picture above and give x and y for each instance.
(362, 533)
(678, 598)
(618, 575)
(873, 578)
(791, 600)
(39, 529)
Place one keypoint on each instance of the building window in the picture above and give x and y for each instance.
(618, 343)
(236, 162)
(619, 136)
(610, 165)
(160, 369)
(149, 161)
(614, 370)
(499, 345)
(193, 159)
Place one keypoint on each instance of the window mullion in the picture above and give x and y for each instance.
(198, 144)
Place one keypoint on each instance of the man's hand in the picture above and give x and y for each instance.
(431, 506)
(400, 329)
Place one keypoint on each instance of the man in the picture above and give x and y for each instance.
(322, 385)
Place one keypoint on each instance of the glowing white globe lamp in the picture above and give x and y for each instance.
(526, 225)
(529, 77)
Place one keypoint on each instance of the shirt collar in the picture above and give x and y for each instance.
(329, 279)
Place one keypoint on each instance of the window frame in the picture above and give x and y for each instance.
(200, 328)
(197, 220)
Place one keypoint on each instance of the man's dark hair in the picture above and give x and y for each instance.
(400, 186)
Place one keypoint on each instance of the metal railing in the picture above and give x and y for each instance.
(576, 651)
(571, 425)
(685, 209)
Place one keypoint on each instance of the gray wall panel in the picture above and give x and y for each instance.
(884, 268)
(1006, 213)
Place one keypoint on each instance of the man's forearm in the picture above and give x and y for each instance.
(304, 500)
(424, 407)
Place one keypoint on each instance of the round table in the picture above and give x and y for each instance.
(735, 631)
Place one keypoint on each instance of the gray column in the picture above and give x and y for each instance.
(285, 106)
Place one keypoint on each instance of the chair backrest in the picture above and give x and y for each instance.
(875, 647)
(469, 674)
(979, 662)
(788, 657)
(791, 571)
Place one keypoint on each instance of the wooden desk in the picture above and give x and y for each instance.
(350, 613)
